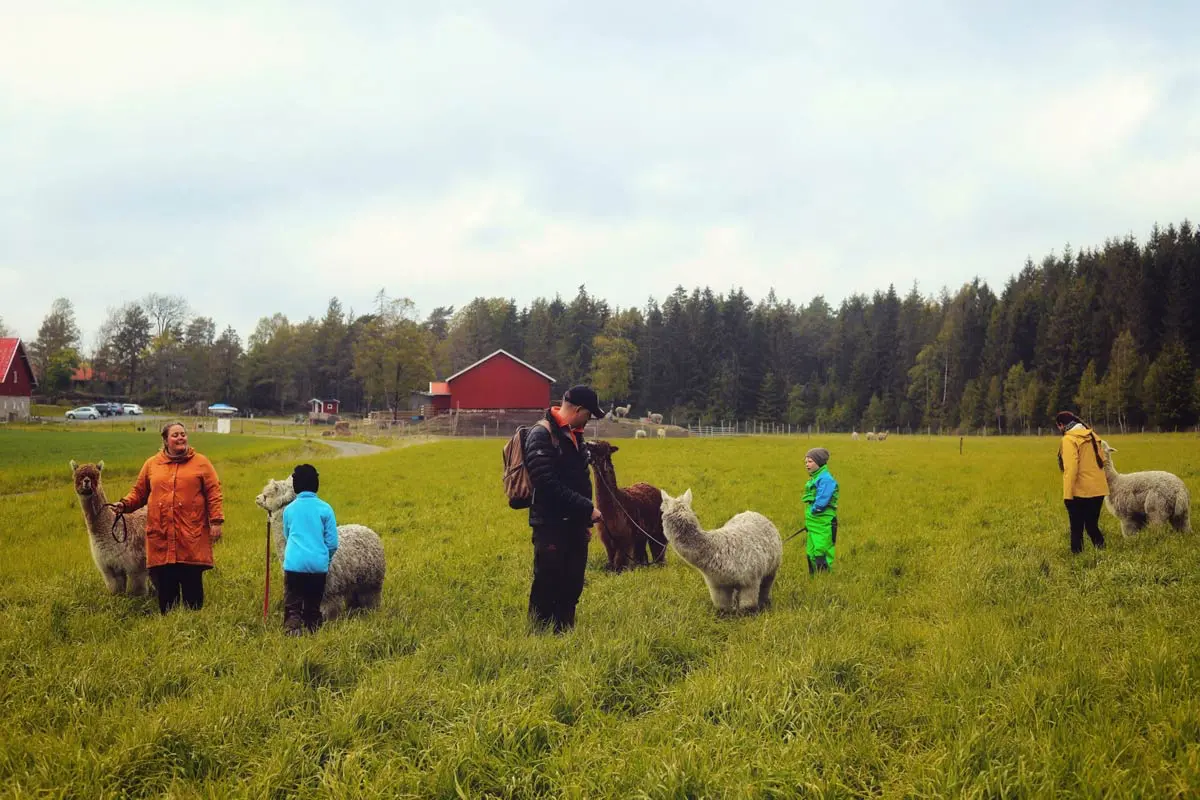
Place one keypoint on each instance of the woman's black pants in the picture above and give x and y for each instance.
(1084, 512)
(172, 581)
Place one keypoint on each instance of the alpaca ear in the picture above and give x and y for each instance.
(614, 449)
(74, 465)
(100, 465)
(687, 497)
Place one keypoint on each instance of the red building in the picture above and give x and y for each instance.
(498, 381)
(17, 380)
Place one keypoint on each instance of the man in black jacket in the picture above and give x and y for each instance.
(561, 513)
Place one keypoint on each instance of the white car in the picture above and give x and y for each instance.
(132, 408)
(83, 412)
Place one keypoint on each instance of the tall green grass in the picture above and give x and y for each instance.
(957, 650)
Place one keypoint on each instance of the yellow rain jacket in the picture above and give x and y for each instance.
(1082, 464)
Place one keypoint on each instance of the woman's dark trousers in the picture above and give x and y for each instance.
(1084, 512)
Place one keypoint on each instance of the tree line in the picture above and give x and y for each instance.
(1111, 331)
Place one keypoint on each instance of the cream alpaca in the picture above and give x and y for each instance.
(119, 554)
(738, 560)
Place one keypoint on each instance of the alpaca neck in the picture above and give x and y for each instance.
(1110, 472)
(606, 482)
(683, 531)
(95, 514)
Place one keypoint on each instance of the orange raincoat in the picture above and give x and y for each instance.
(183, 500)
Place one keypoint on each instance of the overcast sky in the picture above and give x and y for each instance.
(262, 157)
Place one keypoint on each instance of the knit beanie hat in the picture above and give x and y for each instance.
(819, 455)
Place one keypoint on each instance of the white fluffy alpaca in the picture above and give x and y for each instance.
(356, 572)
(854, 436)
(655, 418)
(622, 411)
(662, 433)
(738, 560)
(639, 434)
(1138, 499)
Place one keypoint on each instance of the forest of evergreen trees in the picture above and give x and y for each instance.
(1110, 331)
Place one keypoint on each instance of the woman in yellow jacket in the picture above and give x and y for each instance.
(185, 513)
(1084, 484)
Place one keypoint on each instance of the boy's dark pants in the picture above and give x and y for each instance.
(559, 563)
(174, 580)
(302, 595)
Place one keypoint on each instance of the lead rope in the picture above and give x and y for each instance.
(267, 574)
(118, 517)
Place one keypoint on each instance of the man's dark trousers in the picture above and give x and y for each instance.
(559, 563)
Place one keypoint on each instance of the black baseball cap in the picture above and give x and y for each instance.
(584, 397)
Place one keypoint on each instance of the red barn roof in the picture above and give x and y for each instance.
(499, 381)
(493, 355)
(13, 352)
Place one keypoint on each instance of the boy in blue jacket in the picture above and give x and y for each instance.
(310, 536)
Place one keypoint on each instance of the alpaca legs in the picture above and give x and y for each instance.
(747, 598)
(764, 590)
(1182, 522)
(137, 583)
(114, 580)
(722, 596)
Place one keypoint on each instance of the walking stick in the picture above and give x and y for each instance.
(267, 574)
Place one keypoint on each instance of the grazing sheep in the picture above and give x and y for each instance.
(120, 553)
(881, 436)
(738, 560)
(655, 418)
(622, 411)
(639, 434)
(854, 436)
(662, 433)
(356, 571)
(632, 516)
(870, 436)
(1138, 499)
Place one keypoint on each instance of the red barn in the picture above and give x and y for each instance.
(499, 381)
(17, 380)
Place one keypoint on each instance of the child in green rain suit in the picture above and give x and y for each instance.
(820, 517)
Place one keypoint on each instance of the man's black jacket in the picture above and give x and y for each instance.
(558, 471)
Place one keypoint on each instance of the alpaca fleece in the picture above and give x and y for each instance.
(356, 572)
(122, 562)
(738, 560)
(1139, 499)
(632, 516)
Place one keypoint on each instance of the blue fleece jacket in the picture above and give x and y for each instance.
(310, 533)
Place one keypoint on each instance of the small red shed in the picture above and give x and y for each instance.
(499, 381)
(17, 380)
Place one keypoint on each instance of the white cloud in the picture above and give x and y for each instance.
(266, 157)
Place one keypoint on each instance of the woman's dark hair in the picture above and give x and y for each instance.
(305, 479)
(1066, 418)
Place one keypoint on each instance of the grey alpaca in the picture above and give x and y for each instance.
(356, 572)
(1139, 499)
(120, 556)
(738, 560)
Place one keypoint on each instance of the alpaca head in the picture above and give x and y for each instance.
(677, 509)
(600, 454)
(1108, 451)
(275, 495)
(87, 477)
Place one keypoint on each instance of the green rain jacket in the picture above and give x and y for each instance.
(821, 499)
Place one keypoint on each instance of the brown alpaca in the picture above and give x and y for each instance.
(632, 516)
(119, 553)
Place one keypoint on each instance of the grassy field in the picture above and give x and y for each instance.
(958, 650)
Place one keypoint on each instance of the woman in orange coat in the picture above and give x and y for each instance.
(182, 493)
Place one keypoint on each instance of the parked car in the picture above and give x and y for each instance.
(83, 412)
(132, 408)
